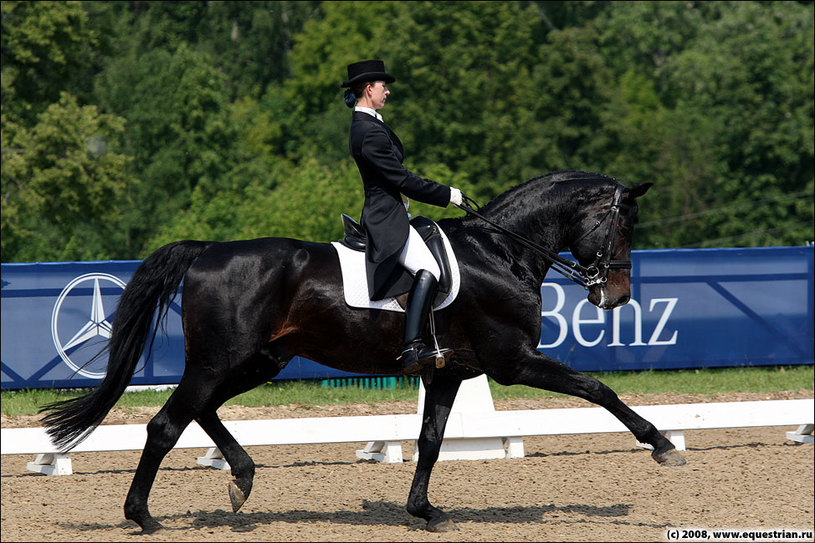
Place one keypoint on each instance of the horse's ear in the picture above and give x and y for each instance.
(639, 189)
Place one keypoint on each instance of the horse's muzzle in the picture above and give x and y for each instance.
(606, 298)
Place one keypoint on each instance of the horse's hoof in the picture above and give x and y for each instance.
(150, 526)
(671, 457)
(442, 525)
(236, 496)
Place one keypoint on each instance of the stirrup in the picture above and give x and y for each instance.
(416, 356)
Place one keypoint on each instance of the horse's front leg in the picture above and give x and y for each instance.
(540, 371)
(439, 397)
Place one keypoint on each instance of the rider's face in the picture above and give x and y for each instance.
(379, 93)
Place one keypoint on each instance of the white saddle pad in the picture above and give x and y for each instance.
(355, 282)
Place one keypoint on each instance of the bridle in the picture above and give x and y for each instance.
(595, 273)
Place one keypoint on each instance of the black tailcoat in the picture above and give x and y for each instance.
(379, 155)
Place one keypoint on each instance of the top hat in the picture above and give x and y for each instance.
(367, 70)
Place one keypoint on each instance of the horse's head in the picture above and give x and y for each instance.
(602, 244)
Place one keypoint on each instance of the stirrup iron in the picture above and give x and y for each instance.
(441, 357)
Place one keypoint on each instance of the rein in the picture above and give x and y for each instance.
(585, 276)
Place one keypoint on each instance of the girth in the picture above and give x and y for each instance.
(356, 238)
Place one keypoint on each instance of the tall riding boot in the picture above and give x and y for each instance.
(414, 353)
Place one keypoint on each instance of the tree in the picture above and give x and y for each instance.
(233, 110)
(179, 132)
(752, 100)
(63, 182)
(305, 203)
(250, 41)
(453, 103)
(44, 46)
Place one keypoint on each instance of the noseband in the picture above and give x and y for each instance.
(595, 273)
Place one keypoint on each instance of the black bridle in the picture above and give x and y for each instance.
(595, 273)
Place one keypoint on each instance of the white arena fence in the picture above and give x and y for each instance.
(475, 430)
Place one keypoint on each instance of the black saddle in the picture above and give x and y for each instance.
(356, 238)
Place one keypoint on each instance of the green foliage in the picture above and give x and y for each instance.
(225, 120)
(303, 202)
(63, 180)
(735, 136)
(43, 46)
(704, 382)
(180, 134)
(707, 382)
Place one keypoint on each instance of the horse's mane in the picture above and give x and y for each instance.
(552, 185)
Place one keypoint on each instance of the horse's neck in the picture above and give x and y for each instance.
(541, 223)
(548, 214)
(539, 218)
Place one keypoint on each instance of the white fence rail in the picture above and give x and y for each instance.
(483, 433)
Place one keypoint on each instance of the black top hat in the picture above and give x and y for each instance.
(367, 70)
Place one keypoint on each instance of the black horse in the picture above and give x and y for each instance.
(249, 306)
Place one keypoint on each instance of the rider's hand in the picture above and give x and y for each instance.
(455, 196)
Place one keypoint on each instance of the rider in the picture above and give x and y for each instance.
(392, 242)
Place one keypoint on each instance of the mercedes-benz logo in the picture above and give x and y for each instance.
(96, 326)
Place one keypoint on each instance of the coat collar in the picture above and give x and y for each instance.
(362, 116)
(369, 111)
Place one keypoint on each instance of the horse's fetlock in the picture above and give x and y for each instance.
(139, 514)
(134, 511)
(244, 473)
(418, 508)
(245, 484)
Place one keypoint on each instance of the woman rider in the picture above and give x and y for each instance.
(393, 244)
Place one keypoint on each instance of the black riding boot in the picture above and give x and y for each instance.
(414, 353)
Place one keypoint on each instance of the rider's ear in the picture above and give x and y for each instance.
(639, 189)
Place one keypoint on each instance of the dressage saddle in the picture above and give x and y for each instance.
(356, 238)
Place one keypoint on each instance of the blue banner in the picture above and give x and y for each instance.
(689, 308)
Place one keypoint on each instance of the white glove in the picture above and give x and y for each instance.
(455, 196)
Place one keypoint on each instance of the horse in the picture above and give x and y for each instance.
(249, 306)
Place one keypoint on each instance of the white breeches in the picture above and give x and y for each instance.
(416, 256)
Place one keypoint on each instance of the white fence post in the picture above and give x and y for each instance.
(473, 400)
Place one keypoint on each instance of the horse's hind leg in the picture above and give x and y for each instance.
(258, 369)
(439, 398)
(543, 372)
(241, 464)
(163, 432)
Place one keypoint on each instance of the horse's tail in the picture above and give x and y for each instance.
(149, 292)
